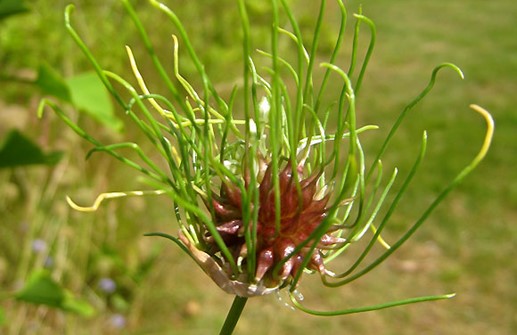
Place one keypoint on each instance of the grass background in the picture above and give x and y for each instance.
(467, 246)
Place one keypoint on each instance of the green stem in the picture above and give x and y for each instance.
(233, 315)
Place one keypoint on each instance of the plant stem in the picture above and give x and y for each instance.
(233, 315)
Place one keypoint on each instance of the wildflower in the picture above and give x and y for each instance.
(118, 321)
(39, 246)
(49, 262)
(107, 285)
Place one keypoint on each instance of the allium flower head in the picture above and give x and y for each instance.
(272, 181)
(302, 209)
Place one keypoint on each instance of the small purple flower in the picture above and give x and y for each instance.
(49, 262)
(39, 246)
(117, 321)
(107, 285)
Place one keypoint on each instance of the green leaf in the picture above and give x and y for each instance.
(77, 306)
(12, 7)
(41, 289)
(18, 150)
(51, 83)
(90, 95)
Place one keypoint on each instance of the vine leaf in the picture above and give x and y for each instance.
(41, 289)
(18, 150)
(89, 94)
(51, 83)
(12, 7)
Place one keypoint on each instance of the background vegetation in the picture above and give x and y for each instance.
(467, 246)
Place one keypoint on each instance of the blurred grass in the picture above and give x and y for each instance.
(467, 246)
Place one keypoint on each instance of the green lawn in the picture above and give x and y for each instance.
(467, 246)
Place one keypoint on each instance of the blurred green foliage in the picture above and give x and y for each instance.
(41, 289)
(17, 150)
(12, 7)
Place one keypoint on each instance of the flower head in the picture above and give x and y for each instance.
(302, 209)
(284, 181)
